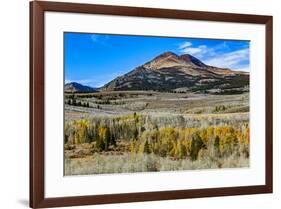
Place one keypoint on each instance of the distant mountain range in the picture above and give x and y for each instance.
(184, 73)
(75, 87)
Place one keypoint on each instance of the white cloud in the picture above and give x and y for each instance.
(216, 55)
(233, 60)
(185, 45)
(199, 51)
(94, 38)
(99, 38)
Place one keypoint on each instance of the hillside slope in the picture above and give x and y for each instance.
(171, 72)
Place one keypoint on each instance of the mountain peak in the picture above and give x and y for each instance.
(77, 87)
(190, 59)
(167, 53)
(169, 71)
(170, 59)
(166, 59)
(73, 83)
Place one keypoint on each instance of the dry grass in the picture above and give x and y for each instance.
(131, 163)
(154, 110)
(122, 103)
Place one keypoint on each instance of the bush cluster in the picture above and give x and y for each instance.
(144, 136)
(180, 143)
(74, 102)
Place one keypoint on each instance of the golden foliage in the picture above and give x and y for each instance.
(142, 136)
(187, 142)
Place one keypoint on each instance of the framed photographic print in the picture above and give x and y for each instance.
(138, 104)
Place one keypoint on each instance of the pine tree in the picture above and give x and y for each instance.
(74, 101)
(113, 140)
(196, 145)
(182, 151)
(99, 143)
(217, 145)
(146, 148)
(106, 139)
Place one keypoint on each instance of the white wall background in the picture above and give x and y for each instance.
(14, 111)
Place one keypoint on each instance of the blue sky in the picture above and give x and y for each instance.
(95, 59)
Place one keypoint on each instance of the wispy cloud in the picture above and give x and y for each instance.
(219, 55)
(102, 39)
(185, 45)
(236, 60)
(198, 51)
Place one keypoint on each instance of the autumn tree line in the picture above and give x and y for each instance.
(143, 136)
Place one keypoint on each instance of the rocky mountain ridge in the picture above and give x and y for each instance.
(172, 72)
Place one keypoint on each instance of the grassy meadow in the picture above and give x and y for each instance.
(147, 131)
